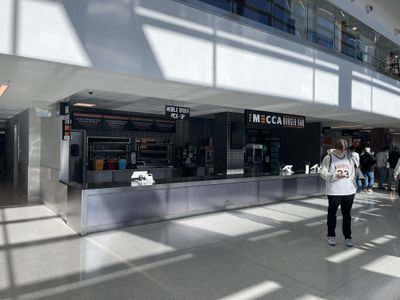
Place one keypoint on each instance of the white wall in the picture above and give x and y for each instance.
(170, 41)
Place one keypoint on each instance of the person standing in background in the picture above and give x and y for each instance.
(393, 159)
(367, 162)
(381, 164)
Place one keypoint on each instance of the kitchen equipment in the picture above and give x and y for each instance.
(139, 178)
(287, 170)
(254, 153)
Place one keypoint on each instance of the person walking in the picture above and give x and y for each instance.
(393, 159)
(338, 172)
(367, 163)
(381, 164)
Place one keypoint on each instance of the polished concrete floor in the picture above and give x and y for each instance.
(278, 251)
(9, 197)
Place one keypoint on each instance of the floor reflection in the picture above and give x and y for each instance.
(276, 251)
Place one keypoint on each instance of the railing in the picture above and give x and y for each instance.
(319, 22)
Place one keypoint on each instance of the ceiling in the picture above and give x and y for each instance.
(391, 7)
(135, 103)
(38, 84)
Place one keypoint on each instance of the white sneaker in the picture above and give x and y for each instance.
(331, 241)
(369, 191)
(348, 242)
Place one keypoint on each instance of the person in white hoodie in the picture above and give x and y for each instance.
(338, 170)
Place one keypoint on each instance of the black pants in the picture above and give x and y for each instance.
(345, 202)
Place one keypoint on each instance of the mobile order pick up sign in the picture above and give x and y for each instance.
(263, 119)
(177, 112)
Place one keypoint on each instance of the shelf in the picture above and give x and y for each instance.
(153, 151)
(153, 159)
(108, 151)
(107, 143)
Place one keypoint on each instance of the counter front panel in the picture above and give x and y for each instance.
(115, 205)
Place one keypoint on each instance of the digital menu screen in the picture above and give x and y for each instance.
(86, 120)
(116, 122)
(109, 121)
(165, 126)
(141, 124)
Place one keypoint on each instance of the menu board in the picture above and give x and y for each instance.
(116, 122)
(123, 122)
(86, 120)
(165, 126)
(149, 124)
(141, 124)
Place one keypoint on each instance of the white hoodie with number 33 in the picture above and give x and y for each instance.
(334, 164)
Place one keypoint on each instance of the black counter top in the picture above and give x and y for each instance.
(196, 180)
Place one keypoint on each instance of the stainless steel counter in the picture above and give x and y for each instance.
(103, 207)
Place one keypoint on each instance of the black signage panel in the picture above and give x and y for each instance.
(62, 108)
(165, 126)
(150, 124)
(84, 120)
(116, 122)
(326, 130)
(141, 124)
(109, 121)
(265, 120)
(177, 112)
(350, 132)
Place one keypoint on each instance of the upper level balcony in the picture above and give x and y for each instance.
(317, 23)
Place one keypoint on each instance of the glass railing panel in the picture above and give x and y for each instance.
(256, 10)
(222, 4)
(322, 23)
(298, 15)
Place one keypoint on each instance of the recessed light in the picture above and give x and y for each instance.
(81, 104)
(3, 88)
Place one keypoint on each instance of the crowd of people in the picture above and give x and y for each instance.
(386, 165)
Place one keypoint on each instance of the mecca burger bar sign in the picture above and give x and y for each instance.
(266, 120)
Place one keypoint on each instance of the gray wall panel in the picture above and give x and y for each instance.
(155, 203)
(290, 188)
(207, 197)
(242, 193)
(112, 208)
(177, 201)
(270, 191)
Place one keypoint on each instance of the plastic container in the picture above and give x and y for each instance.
(122, 163)
(111, 164)
(99, 164)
